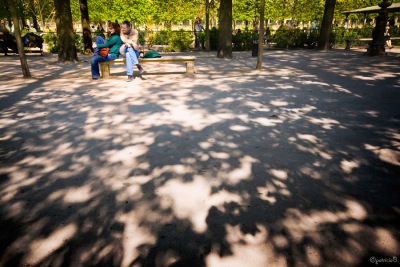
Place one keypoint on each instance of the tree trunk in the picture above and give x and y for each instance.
(224, 49)
(33, 14)
(65, 31)
(261, 36)
(17, 33)
(87, 35)
(207, 32)
(21, 14)
(326, 26)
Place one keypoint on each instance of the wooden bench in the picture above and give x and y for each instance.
(189, 60)
(350, 40)
(9, 51)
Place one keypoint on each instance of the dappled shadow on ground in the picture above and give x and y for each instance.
(296, 165)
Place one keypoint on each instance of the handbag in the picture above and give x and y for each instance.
(103, 52)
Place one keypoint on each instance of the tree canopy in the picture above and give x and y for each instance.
(178, 11)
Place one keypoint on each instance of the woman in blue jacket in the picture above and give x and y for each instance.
(114, 42)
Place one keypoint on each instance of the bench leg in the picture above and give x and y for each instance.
(105, 70)
(190, 67)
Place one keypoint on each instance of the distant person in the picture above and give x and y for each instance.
(109, 24)
(314, 25)
(100, 30)
(387, 35)
(267, 34)
(114, 43)
(12, 28)
(130, 49)
(8, 42)
(255, 27)
(2, 26)
(198, 27)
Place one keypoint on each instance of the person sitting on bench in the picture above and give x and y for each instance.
(114, 43)
(129, 37)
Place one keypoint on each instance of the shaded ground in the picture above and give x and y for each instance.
(297, 165)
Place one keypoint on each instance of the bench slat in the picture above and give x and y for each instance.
(189, 60)
(350, 40)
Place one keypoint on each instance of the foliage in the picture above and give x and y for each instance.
(162, 37)
(202, 38)
(151, 40)
(245, 10)
(243, 40)
(312, 39)
(178, 11)
(79, 44)
(142, 37)
(180, 40)
(283, 38)
(295, 38)
(177, 40)
(157, 38)
(214, 38)
(51, 40)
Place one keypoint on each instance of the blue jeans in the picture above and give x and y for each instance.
(95, 64)
(98, 40)
(131, 56)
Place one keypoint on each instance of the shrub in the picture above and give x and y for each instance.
(80, 47)
(162, 37)
(180, 40)
(243, 40)
(282, 38)
(51, 41)
(151, 40)
(142, 37)
(202, 39)
(213, 39)
(312, 39)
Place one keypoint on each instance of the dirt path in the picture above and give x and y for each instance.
(296, 165)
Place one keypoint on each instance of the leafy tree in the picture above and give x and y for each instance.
(169, 11)
(32, 13)
(44, 10)
(245, 10)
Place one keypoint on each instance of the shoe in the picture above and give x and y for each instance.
(94, 79)
(130, 78)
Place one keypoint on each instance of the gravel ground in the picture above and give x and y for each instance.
(294, 165)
